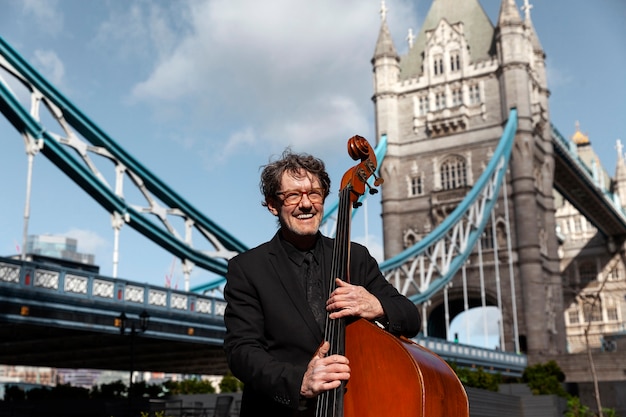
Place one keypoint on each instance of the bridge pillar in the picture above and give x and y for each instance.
(443, 116)
(531, 177)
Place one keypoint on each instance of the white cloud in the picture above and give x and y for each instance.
(90, 242)
(50, 65)
(237, 140)
(46, 15)
(558, 78)
(373, 244)
(278, 66)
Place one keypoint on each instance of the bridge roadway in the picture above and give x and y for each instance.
(64, 318)
(54, 316)
(579, 185)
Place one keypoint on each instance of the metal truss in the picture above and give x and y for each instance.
(428, 266)
(50, 124)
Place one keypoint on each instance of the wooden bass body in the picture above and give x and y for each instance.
(396, 377)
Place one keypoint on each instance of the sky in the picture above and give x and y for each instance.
(205, 92)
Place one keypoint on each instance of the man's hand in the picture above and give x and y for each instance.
(324, 372)
(353, 300)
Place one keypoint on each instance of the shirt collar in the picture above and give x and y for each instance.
(297, 256)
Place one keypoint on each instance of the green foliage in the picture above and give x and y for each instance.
(477, 378)
(189, 386)
(230, 384)
(545, 379)
(576, 409)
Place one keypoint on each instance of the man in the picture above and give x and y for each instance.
(273, 343)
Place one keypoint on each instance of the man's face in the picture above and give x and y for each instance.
(299, 222)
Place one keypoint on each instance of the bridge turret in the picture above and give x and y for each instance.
(522, 81)
(386, 68)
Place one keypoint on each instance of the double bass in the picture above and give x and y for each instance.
(390, 375)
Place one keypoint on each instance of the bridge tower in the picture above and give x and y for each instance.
(442, 107)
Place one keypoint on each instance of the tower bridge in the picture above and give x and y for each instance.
(472, 163)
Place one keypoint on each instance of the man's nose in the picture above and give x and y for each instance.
(305, 201)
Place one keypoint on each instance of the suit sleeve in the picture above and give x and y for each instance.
(246, 344)
(402, 315)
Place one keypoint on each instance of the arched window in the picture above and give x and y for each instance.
(453, 173)
(438, 64)
(474, 94)
(455, 61)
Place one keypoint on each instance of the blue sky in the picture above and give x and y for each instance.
(204, 92)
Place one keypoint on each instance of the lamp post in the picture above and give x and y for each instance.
(125, 323)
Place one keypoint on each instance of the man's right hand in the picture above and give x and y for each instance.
(324, 372)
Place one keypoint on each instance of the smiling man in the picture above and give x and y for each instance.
(278, 296)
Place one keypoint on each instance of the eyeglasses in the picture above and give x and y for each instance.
(293, 197)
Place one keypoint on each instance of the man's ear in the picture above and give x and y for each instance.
(272, 206)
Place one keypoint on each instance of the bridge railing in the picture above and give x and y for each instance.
(592, 174)
(50, 280)
(505, 363)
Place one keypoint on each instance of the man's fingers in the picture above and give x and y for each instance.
(322, 350)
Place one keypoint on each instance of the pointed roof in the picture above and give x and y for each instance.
(384, 44)
(579, 138)
(477, 27)
(508, 13)
(529, 24)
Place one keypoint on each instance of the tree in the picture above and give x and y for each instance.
(230, 384)
(477, 378)
(190, 386)
(545, 379)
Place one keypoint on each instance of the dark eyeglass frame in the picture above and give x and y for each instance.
(294, 197)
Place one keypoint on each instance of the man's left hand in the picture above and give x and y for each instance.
(353, 300)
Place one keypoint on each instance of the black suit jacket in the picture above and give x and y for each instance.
(271, 332)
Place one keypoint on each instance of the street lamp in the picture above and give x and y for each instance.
(124, 322)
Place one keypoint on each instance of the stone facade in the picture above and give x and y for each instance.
(443, 107)
(593, 268)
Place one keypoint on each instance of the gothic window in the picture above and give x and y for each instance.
(587, 272)
(415, 186)
(438, 64)
(578, 226)
(474, 94)
(611, 313)
(593, 313)
(455, 61)
(440, 101)
(572, 316)
(410, 238)
(453, 173)
(457, 97)
(423, 105)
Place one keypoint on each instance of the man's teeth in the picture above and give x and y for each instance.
(305, 216)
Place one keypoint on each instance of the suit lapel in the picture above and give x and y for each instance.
(281, 263)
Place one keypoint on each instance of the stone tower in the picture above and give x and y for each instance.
(442, 107)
